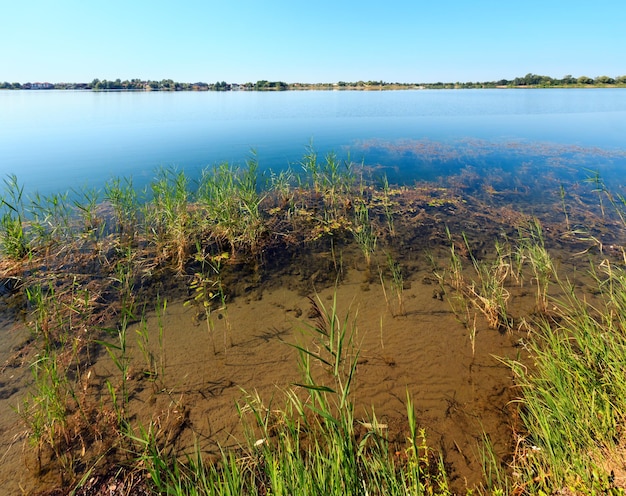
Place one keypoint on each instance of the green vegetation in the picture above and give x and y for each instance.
(529, 81)
(90, 264)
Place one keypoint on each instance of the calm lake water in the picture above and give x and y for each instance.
(56, 140)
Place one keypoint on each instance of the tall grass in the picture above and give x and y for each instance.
(396, 285)
(123, 197)
(363, 232)
(13, 238)
(51, 219)
(573, 402)
(168, 216)
(230, 206)
(532, 252)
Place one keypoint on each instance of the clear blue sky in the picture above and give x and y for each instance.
(310, 41)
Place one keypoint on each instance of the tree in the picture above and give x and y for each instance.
(604, 80)
(585, 80)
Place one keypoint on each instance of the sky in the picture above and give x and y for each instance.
(310, 41)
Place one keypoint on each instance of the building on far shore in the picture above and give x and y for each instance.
(38, 86)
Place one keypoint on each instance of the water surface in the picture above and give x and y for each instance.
(55, 140)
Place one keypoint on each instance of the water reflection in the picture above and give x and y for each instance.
(425, 159)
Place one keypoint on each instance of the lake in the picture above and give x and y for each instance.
(439, 279)
(56, 140)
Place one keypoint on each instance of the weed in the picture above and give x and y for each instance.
(124, 199)
(13, 238)
(363, 232)
(574, 398)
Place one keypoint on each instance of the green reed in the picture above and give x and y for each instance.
(574, 399)
(496, 480)
(153, 354)
(118, 352)
(86, 201)
(310, 167)
(461, 302)
(13, 237)
(330, 179)
(230, 206)
(51, 218)
(168, 216)
(281, 184)
(387, 205)
(123, 197)
(364, 233)
(45, 408)
(489, 294)
(598, 186)
(532, 252)
(397, 284)
(336, 176)
(143, 343)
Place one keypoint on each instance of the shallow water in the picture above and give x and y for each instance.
(460, 389)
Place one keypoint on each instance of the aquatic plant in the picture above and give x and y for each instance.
(564, 205)
(397, 284)
(230, 206)
(595, 179)
(168, 216)
(387, 205)
(13, 238)
(207, 288)
(573, 399)
(532, 252)
(86, 201)
(363, 232)
(496, 479)
(51, 219)
(488, 294)
(124, 199)
(44, 409)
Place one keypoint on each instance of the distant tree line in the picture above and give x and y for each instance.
(529, 81)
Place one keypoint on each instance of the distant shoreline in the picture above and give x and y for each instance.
(326, 88)
(529, 81)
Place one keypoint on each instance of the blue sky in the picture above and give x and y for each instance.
(321, 41)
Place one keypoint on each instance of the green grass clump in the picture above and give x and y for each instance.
(229, 204)
(573, 401)
(13, 238)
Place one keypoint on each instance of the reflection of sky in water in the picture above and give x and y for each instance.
(430, 160)
(56, 140)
